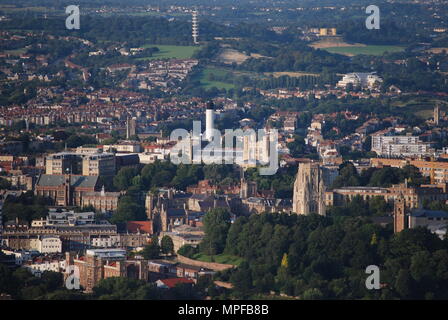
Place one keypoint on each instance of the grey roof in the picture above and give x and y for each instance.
(174, 212)
(429, 213)
(48, 180)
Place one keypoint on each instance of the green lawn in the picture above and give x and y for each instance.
(220, 258)
(369, 50)
(173, 52)
(16, 52)
(207, 84)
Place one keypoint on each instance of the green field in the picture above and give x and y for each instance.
(207, 83)
(171, 52)
(368, 50)
(16, 52)
(220, 258)
(422, 107)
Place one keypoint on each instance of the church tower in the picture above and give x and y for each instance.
(309, 190)
(400, 222)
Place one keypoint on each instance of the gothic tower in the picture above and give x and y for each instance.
(309, 190)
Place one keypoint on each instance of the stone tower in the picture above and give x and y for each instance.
(436, 115)
(248, 189)
(400, 222)
(149, 206)
(309, 190)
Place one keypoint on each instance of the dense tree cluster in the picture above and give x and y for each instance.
(377, 177)
(314, 257)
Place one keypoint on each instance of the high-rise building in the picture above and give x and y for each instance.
(309, 190)
(195, 27)
(131, 127)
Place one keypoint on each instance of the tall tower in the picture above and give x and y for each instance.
(209, 120)
(195, 27)
(309, 190)
(436, 115)
(400, 222)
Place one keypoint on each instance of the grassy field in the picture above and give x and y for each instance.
(291, 74)
(220, 258)
(422, 107)
(174, 52)
(207, 84)
(369, 50)
(16, 52)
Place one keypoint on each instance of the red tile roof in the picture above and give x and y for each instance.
(172, 282)
(142, 226)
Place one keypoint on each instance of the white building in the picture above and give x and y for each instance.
(400, 146)
(46, 244)
(105, 241)
(358, 79)
(41, 265)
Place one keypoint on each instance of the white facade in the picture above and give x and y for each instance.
(105, 241)
(400, 146)
(46, 244)
(363, 80)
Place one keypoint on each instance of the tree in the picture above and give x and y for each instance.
(152, 250)
(4, 184)
(187, 251)
(403, 284)
(167, 245)
(216, 225)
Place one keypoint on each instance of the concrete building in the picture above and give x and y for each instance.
(62, 163)
(400, 146)
(100, 164)
(359, 79)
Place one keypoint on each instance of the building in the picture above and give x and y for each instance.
(436, 170)
(400, 146)
(85, 161)
(415, 197)
(62, 163)
(173, 282)
(101, 200)
(131, 127)
(195, 27)
(99, 164)
(124, 147)
(65, 190)
(74, 237)
(47, 244)
(98, 264)
(359, 79)
(404, 218)
(309, 190)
